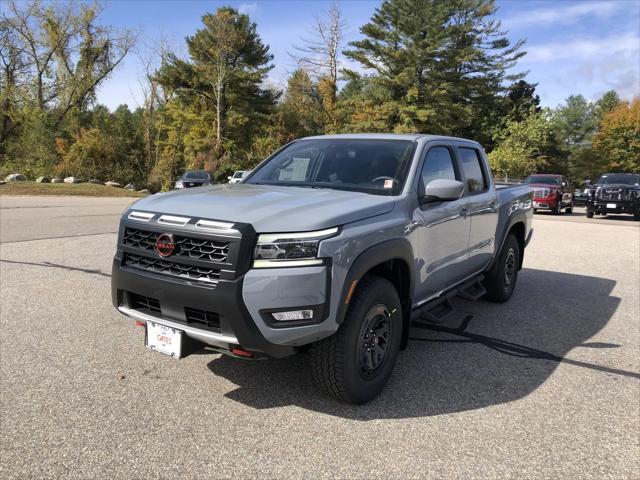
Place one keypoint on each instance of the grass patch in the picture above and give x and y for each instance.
(78, 189)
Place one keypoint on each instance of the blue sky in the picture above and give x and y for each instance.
(574, 47)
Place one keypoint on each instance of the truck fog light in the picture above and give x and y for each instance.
(293, 315)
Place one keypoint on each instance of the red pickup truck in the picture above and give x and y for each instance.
(551, 192)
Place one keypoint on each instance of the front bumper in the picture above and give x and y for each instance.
(614, 206)
(547, 203)
(236, 326)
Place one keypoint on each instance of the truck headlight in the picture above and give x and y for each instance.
(179, 184)
(290, 249)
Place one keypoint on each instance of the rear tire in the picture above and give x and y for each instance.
(355, 363)
(501, 280)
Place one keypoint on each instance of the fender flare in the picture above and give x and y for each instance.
(518, 216)
(395, 249)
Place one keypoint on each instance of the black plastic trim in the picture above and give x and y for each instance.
(225, 299)
(517, 217)
(395, 249)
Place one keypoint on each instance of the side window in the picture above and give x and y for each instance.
(438, 165)
(472, 166)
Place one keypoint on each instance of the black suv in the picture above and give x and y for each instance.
(615, 193)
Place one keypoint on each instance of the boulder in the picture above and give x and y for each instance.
(144, 190)
(56, 180)
(131, 186)
(43, 180)
(73, 180)
(95, 181)
(15, 177)
(113, 184)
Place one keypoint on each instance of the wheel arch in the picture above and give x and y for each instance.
(393, 260)
(516, 225)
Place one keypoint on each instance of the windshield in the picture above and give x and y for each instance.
(619, 179)
(365, 165)
(196, 174)
(542, 179)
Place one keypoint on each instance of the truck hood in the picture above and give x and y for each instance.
(269, 208)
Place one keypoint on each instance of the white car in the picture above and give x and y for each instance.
(238, 176)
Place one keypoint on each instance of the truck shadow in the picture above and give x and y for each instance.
(487, 354)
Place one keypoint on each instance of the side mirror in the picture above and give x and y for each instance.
(441, 190)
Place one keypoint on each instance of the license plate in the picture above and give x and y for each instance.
(164, 339)
(611, 205)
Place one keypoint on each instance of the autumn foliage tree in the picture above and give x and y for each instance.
(617, 141)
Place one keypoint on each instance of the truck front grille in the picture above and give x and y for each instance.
(540, 192)
(176, 269)
(188, 247)
(613, 194)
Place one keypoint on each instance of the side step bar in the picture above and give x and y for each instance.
(439, 309)
(473, 289)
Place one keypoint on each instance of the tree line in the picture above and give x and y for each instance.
(423, 66)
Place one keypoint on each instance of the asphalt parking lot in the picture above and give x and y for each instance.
(545, 386)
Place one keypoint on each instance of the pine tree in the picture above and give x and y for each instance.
(227, 66)
(443, 64)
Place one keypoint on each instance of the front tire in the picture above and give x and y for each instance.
(570, 208)
(558, 208)
(589, 214)
(355, 363)
(501, 279)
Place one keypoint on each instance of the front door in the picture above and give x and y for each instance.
(443, 230)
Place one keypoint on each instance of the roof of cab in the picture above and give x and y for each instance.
(390, 136)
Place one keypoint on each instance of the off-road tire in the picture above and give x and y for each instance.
(337, 360)
(495, 281)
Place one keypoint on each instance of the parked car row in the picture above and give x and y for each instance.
(202, 178)
(616, 193)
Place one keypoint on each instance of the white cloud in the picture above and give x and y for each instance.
(247, 8)
(584, 48)
(562, 15)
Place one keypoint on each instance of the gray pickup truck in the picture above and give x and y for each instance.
(330, 246)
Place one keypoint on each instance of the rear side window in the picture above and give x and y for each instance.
(476, 181)
(438, 165)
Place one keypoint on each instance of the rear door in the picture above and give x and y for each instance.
(482, 207)
(443, 228)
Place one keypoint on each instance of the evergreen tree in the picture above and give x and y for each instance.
(227, 65)
(443, 64)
